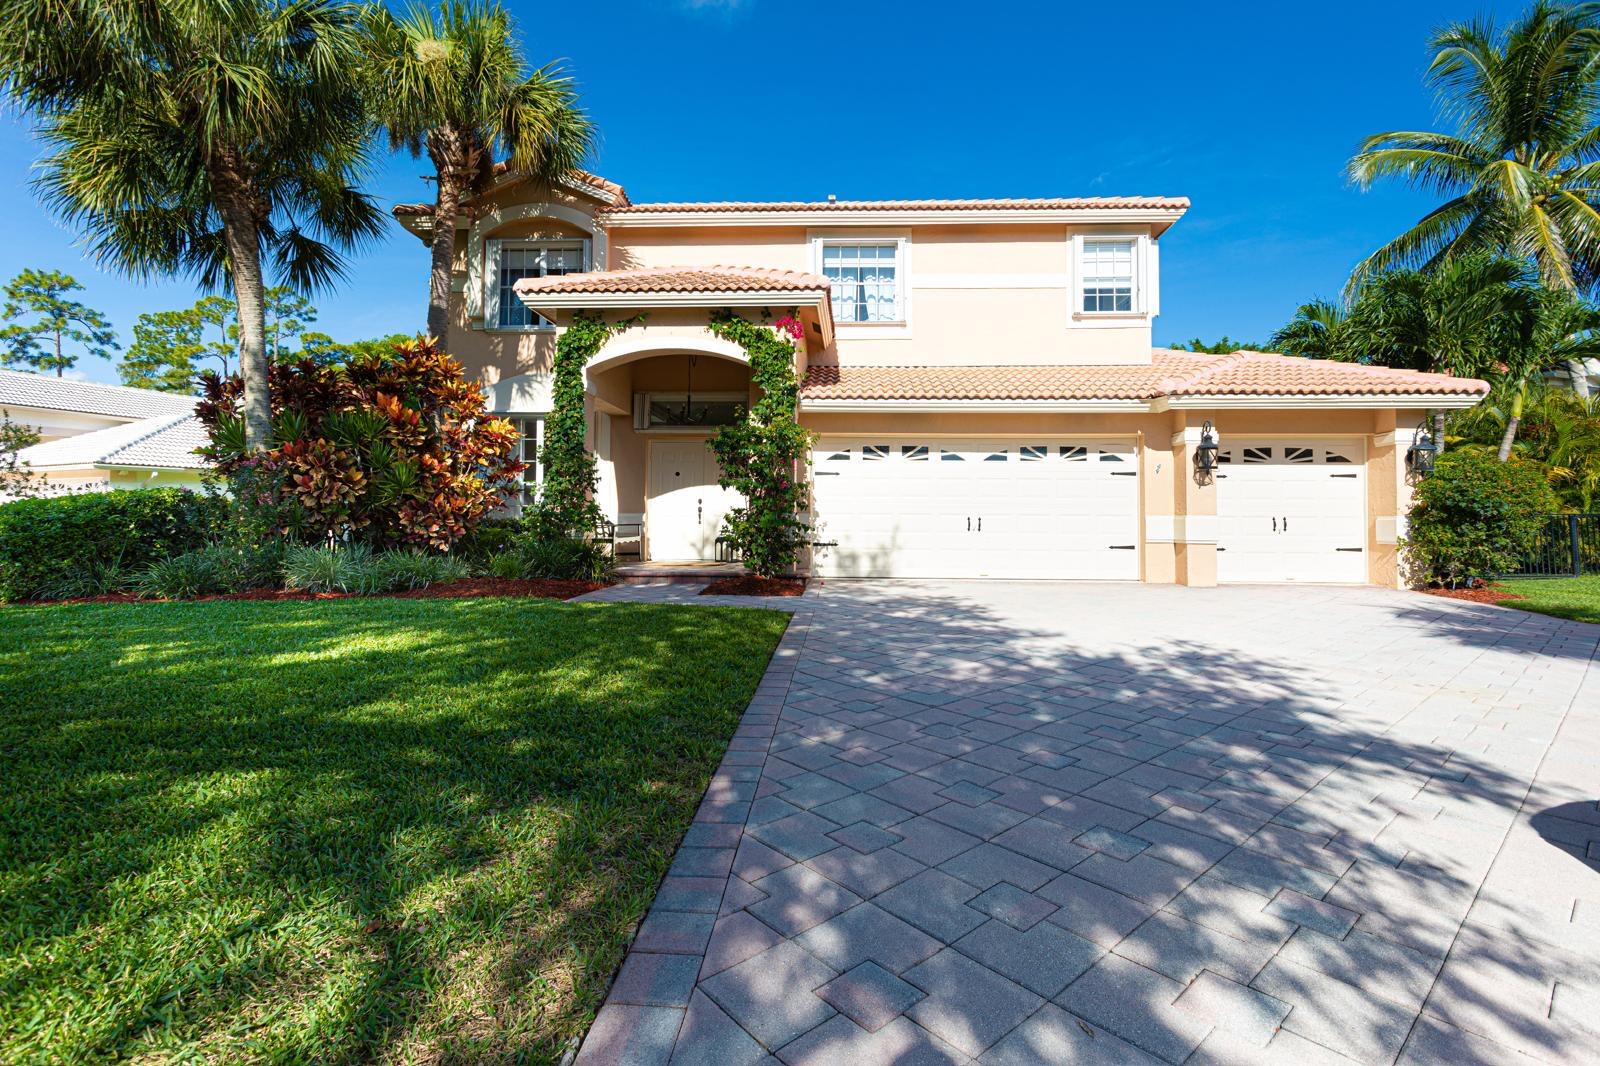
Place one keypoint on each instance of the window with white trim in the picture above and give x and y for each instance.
(531, 430)
(865, 278)
(1106, 276)
(511, 261)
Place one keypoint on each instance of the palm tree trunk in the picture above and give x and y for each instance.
(1510, 435)
(446, 205)
(242, 234)
(1438, 433)
(1578, 374)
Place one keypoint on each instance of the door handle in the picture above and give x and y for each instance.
(969, 523)
(1286, 523)
(980, 523)
(1274, 524)
(700, 510)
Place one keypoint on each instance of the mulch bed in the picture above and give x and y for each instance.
(1490, 594)
(755, 586)
(448, 590)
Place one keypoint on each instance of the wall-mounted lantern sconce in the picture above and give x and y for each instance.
(1205, 453)
(1423, 450)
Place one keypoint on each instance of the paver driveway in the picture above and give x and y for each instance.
(1040, 824)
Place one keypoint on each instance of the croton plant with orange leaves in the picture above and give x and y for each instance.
(394, 450)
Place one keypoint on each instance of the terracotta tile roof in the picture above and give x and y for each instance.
(21, 389)
(1071, 203)
(676, 279)
(1170, 373)
(1265, 374)
(583, 176)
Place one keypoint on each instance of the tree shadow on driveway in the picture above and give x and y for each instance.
(1323, 778)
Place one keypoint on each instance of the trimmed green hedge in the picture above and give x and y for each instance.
(1474, 517)
(60, 546)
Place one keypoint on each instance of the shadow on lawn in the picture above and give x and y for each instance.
(454, 824)
(446, 775)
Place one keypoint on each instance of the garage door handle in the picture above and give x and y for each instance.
(826, 473)
(1122, 547)
(1349, 549)
(1341, 475)
(1124, 473)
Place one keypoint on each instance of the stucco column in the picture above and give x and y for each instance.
(1195, 505)
(1388, 493)
(1156, 502)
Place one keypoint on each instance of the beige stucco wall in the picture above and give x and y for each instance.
(974, 294)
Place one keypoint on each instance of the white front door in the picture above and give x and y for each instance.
(1292, 511)
(685, 505)
(979, 507)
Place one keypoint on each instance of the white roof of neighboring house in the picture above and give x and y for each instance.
(166, 442)
(20, 389)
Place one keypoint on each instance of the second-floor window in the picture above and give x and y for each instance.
(865, 278)
(531, 259)
(1107, 273)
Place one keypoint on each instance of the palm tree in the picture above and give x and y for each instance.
(1522, 169)
(453, 84)
(1457, 318)
(200, 137)
(1562, 329)
(1316, 331)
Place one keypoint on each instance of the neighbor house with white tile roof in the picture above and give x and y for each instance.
(95, 436)
(980, 375)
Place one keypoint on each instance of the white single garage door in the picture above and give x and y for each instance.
(938, 507)
(1292, 511)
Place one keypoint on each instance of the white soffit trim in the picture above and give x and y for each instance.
(1021, 406)
(1348, 400)
(540, 302)
(885, 217)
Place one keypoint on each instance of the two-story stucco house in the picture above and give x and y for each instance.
(980, 375)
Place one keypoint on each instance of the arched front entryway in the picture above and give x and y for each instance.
(658, 401)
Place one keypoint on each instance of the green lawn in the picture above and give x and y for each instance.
(1565, 597)
(356, 830)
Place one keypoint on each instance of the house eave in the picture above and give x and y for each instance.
(1001, 406)
(1363, 401)
(1159, 219)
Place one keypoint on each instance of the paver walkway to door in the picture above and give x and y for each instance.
(1128, 824)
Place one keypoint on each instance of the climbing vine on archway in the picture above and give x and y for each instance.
(763, 457)
(566, 499)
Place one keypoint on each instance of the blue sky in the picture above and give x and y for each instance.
(1250, 110)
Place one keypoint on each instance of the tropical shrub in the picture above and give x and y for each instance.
(762, 456)
(491, 536)
(391, 450)
(82, 545)
(357, 568)
(1474, 517)
(554, 559)
(1559, 432)
(212, 570)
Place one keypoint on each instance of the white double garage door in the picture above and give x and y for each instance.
(1064, 508)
